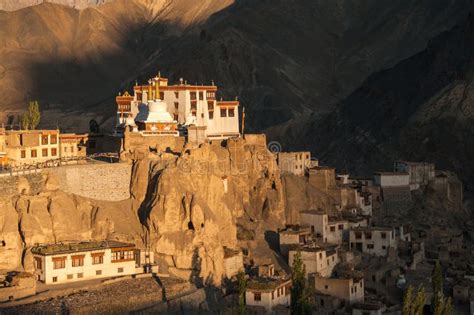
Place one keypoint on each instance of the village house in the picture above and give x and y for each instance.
(267, 291)
(395, 186)
(372, 240)
(291, 236)
(68, 262)
(158, 109)
(420, 173)
(349, 288)
(296, 163)
(318, 258)
(72, 145)
(26, 147)
(328, 229)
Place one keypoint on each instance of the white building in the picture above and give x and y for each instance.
(329, 230)
(391, 179)
(317, 259)
(295, 162)
(291, 236)
(263, 294)
(62, 263)
(372, 240)
(187, 105)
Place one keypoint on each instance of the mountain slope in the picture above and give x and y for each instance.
(421, 109)
(282, 58)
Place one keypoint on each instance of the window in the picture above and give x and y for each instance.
(383, 235)
(193, 106)
(321, 302)
(176, 94)
(54, 139)
(54, 152)
(23, 154)
(38, 263)
(98, 272)
(257, 296)
(273, 295)
(193, 95)
(332, 228)
(175, 117)
(44, 140)
(176, 105)
(65, 149)
(78, 261)
(332, 258)
(55, 279)
(210, 105)
(340, 226)
(358, 235)
(34, 153)
(370, 246)
(326, 287)
(384, 247)
(201, 96)
(80, 275)
(162, 95)
(69, 277)
(320, 255)
(97, 258)
(122, 255)
(231, 112)
(368, 235)
(59, 262)
(120, 270)
(223, 112)
(44, 152)
(211, 115)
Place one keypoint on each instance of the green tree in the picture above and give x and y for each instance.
(438, 304)
(300, 293)
(419, 301)
(242, 286)
(31, 119)
(448, 306)
(25, 122)
(408, 302)
(437, 279)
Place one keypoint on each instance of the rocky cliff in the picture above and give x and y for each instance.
(186, 206)
(12, 5)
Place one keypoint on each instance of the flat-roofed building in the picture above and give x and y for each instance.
(291, 236)
(372, 240)
(318, 258)
(391, 179)
(420, 173)
(295, 162)
(73, 145)
(322, 177)
(27, 147)
(328, 229)
(69, 262)
(263, 294)
(347, 288)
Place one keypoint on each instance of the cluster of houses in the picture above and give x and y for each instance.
(345, 255)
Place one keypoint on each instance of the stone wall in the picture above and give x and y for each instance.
(100, 181)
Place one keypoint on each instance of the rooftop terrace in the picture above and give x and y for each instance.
(74, 247)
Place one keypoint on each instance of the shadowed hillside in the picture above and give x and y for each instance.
(421, 109)
(282, 58)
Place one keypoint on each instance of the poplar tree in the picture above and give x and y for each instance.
(419, 301)
(408, 302)
(437, 279)
(31, 119)
(300, 293)
(242, 286)
(448, 307)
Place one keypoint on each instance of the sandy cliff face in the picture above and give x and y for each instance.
(184, 206)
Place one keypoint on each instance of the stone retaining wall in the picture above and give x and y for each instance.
(101, 181)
